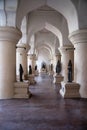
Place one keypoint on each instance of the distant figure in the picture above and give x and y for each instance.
(30, 69)
(21, 73)
(70, 71)
(51, 66)
(58, 67)
(43, 66)
(35, 67)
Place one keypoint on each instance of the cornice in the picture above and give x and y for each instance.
(32, 56)
(10, 34)
(79, 36)
(23, 46)
(65, 49)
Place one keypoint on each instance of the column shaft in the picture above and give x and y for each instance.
(67, 53)
(21, 59)
(21, 54)
(79, 39)
(8, 38)
(56, 58)
(32, 58)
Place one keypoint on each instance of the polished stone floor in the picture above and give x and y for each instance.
(45, 110)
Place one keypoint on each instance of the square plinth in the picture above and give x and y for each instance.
(31, 79)
(70, 90)
(21, 90)
(58, 79)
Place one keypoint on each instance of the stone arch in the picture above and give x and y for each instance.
(47, 55)
(66, 8)
(46, 47)
(50, 28)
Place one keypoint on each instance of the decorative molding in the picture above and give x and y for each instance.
(79, 36)
(70, 49)
(20, 47)
(10, 34)
(32, 56)
(64, 49)
(23, 46)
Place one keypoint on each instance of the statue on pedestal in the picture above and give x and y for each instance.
(35, 67)
(51, 66)
(43, 66)
(58, 67)
(21, 72)
(70, 71)
(30, 69)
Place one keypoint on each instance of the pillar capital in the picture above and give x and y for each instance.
(57, 54)
(33, 56)
(65, 49)
(10, 34)
(28, 47)
(23, 47)
(79, 36)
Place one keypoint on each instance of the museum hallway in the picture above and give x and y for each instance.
(45, 110)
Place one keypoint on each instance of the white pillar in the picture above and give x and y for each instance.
(9, 36)
(22, 51)
(32, 58)
(67, 53)
(79, 39)
(56, 58)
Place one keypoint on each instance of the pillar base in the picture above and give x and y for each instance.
(70, 90)
(21, 90)
(58, 79)
(51, 73)
(36, 73)
(31, 79)
(43, 71)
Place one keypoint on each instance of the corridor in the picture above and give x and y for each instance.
(45, 110)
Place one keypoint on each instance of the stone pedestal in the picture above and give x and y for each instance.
(31, 79)
(51, 73)
(26, 77)
(36, 73)
(21, 90)
(43, 71)
(70, 90)
(58, 79)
